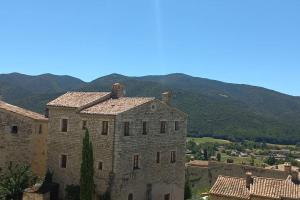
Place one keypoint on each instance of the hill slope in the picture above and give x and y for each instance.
(215, 108)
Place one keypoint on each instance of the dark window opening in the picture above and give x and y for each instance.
(130, 196)
(14, 129)
(136, 162)
(173, 156)
(64, 125)
(167, 197)
(104, 127)
(40, 129)
(126, 128)
(63, 161)
(100, 166)
(144, 128)
(176, 125)
(158, 157)
(163, 127)
(84, 125)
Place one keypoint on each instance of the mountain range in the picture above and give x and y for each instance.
(218, 109)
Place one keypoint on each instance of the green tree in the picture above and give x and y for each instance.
(271, 160)
(87, 169)
(14, 181)
(187, 190)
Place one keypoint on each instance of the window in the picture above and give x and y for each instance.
(104, 127)
(144, 128)
(163, 125)
(176, 125)
(84, 125)
(173, 156)
(167, 197)
(64, 125)
(63, 161)
(126, 128)
(157, 157)
(14, 129)
(100, 166)
(40, 129)
(149, 192)
(136, 162)
(130, 196)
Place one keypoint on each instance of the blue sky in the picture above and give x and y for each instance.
(251, 41)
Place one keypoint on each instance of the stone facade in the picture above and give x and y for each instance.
(26, 144)
(115, 152)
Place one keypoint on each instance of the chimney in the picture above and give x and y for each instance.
(117, 91)
(166, 97)
(249, 180)
(288, 167)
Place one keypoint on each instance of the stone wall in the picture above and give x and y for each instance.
(70, 144)
(35, 196)
(163, 178)
(116, 151)
(25, 147)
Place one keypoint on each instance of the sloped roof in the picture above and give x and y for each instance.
(116, 106)
(77, 99)
(230, 187)
(261, 187)
(275, 188)
(21, 111)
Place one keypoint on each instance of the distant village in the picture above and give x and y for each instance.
(132, 148)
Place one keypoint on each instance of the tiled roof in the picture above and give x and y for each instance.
(275, 188)
(261, 187)
(21, 111)
(230, 187)
(77, 99)
(116, 106)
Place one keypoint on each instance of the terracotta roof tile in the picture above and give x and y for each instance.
(21, 111)
(230, 187)
(116, 106)
(274, 188)
(261, 187)
(77, 99)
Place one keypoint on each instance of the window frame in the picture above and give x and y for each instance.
(65, 166)
(100, 166)
(84, 124)
(163, 127)
(40, 129)
(158, 157)
(136, 162)
(145, 128)
(173, 157)
(126, 128)
(130, 196)
(14, 129)
(62, 123)
(176, 125)
(104, 131)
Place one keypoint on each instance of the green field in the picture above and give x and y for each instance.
(208, 140)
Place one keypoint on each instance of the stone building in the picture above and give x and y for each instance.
(138, 142)
(254, 188)
(23, 138)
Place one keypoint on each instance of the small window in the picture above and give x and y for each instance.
(136, 162)
(14, 129)
(157, 157)
(40, 129)
(173, 156)
(144, 128)
(100, 166)
(167, 197)
(126, 128)
(63, 161)
(84, 124)
(176, 125)
(64, 125)
(163, 125)
(104, 127)
(130, 196)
